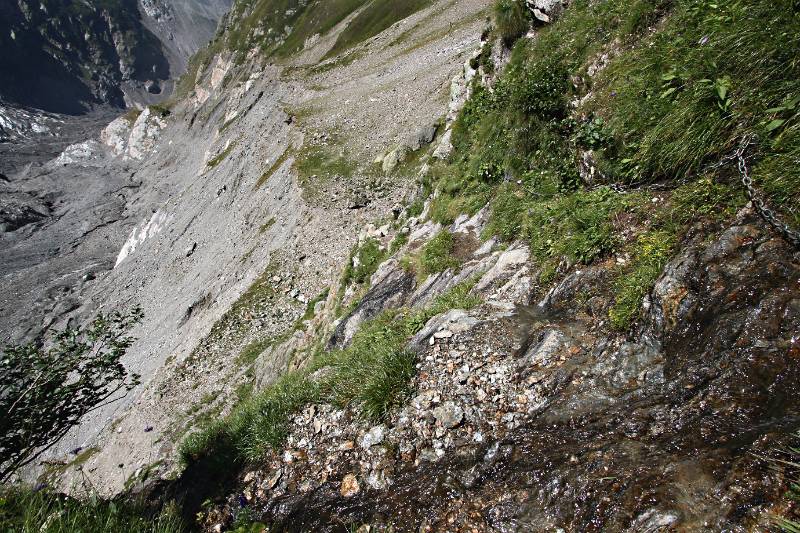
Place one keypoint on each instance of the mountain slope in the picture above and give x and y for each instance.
(460, 265)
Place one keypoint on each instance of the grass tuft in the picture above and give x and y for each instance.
(220, 157)
(27, 511)
(437, 254)
(363, 262)
(512, 19)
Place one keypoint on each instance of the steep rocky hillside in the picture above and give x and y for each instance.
(446, 265)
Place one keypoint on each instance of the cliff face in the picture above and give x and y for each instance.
(453, 265)
(66, 56)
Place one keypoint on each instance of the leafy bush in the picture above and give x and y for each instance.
(45, 391)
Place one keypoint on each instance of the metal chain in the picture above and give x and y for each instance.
(760, 206)
(769, 216)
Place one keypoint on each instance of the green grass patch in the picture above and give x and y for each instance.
(683, 82)
(316, 165)
(280, 28)
(220, 157)
(54, 471)
(250, 353)
(400, 240)
(309, 312)
(319, 19)
(160, 110)
(266, 225)
(131, 115)
(653, 250)
(274, 168)
(365, 260)
(377, 16)
(512, 18)
(703, 199)
(437, 254)
(26, 511)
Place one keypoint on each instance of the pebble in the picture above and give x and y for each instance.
(449, 414)
(372, 437)
(349, 486)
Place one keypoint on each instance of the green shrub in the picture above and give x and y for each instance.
(46, 391)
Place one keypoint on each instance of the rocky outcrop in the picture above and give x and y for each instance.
(390, 291)
(522, 401)
(134, 140)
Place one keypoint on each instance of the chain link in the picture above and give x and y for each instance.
(769, 216)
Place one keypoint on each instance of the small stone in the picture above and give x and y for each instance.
(249, 477)
(349, 486)
(429, 455)
(372, 437)
(449, 414)
(274, 478)
(541, 15)
(377, 480)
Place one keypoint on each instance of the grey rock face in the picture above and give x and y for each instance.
(68, 57)
(390, 291)
(183, 26)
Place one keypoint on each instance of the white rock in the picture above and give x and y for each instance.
(372, 437)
